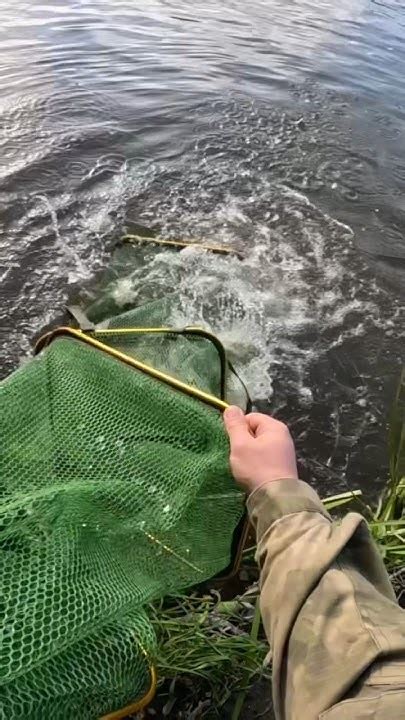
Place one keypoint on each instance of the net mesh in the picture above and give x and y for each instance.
(115, 491)
(163, 351)
(193, 358)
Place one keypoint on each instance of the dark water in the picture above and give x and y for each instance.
(275, 126)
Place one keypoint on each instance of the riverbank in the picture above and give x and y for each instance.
(212, 652)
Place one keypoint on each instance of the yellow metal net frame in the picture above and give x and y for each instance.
(179, 244)
(147, 369)
(139, 704)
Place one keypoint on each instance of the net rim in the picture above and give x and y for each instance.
(174, 382)
(139, 704)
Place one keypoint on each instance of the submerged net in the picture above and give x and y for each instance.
(115, 491)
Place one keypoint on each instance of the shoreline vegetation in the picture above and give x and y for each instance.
(212, 651)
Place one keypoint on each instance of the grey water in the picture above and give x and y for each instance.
(277, 127)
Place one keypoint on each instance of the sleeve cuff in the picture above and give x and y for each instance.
(278, 498)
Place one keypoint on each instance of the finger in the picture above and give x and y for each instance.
(235, 423)
(259, 424)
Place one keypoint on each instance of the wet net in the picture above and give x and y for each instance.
(115, 491)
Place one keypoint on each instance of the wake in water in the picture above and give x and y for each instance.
(68, 254)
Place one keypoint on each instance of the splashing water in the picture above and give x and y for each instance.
(294, 293)
(69, 256)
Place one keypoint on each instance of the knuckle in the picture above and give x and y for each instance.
(238, 446)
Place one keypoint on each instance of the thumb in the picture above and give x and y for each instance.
(235, 423)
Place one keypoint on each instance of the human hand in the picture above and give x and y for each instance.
(262, 449)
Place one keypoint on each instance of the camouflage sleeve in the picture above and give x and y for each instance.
(336, 632)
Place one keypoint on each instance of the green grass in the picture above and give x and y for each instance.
(388, 521)
(207, 648)
(211, 652)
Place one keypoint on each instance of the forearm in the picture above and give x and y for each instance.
(327, 605)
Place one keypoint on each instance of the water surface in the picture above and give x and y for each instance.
(277, 127)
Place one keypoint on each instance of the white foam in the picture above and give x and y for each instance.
(263, 307)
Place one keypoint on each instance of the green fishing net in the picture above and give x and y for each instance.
(115, 492)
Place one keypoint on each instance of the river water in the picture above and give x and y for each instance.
(277, 127)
